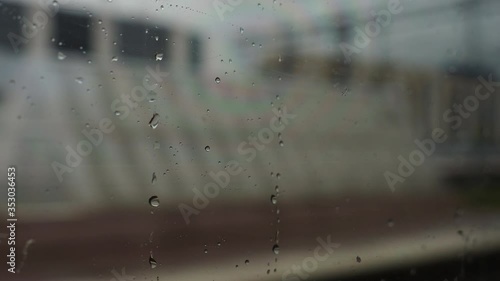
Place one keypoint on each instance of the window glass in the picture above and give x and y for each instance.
(249, 140)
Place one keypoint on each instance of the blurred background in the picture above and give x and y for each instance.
(230, 139)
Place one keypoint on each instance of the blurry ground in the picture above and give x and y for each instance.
(424, 234)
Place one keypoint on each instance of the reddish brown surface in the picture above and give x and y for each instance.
(93, 245)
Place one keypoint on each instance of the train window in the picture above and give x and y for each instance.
(73, 32)
(11, 37)
(476, 131)
(195, 48)
(143, 41)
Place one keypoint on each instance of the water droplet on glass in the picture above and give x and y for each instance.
(152, 262)
(207, 148)
(153, 178)
(114, 59)
(241, 30)
(247, 261)
(79, 80)
(153, 123)
(276, 249)
(217, 80)
(154, 201)
(390, 223)
(205, 251)
(358, 259)
(282, 143)
(274, 200)
(61, 56)
(159, 56)
(118, 113)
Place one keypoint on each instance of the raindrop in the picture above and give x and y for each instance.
(241, 30)
(154, 201)
(152, 262)
(118, 113)
(114, 59)
(61, 56)
(153, 178)
(282, 143)
(153, 123)
(217, 80)
(358, 259)
(205, 251)
(274, 200)
(159, 56)
(79, 80)
(390, 223)
(207, 148)
(247, 261)
(276, 249)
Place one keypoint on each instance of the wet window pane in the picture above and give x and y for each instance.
(249, 140)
